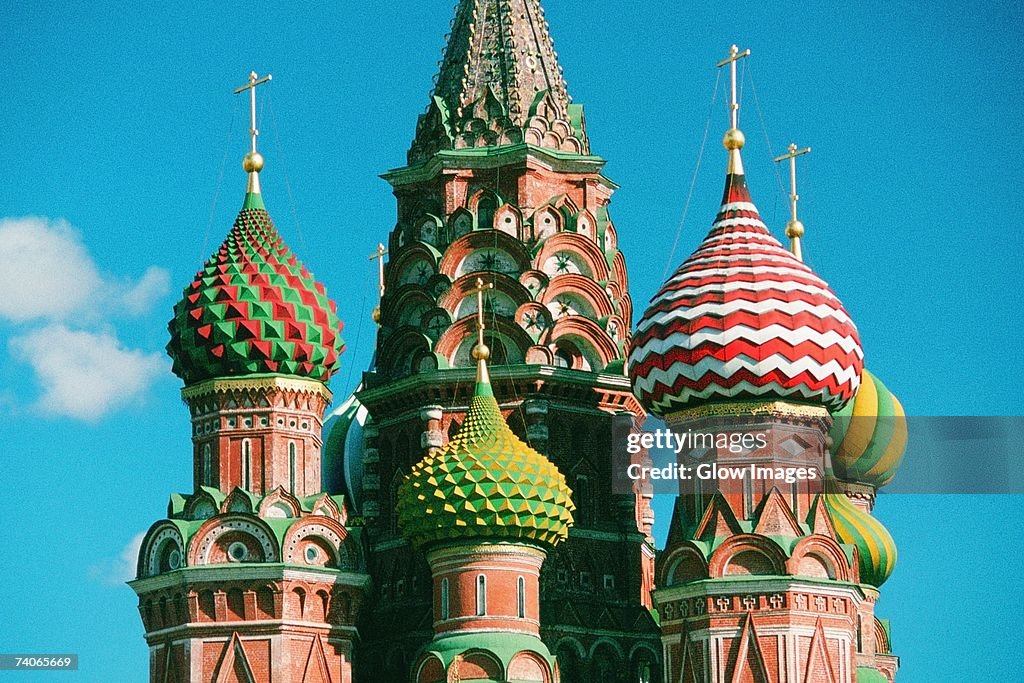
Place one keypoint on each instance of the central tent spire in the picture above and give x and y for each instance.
(499, 83)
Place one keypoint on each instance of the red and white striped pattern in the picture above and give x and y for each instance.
(744, 318)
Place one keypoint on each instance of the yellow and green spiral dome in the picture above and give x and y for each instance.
(869, 435)
(485, 485)
(875, 548)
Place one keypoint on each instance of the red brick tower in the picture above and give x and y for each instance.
(501, 184)
(768, 577)
(255, 577)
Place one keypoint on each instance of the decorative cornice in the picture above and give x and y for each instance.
(225, 385)
(606, 392)
(494, 157)
(249, 572)
(782, 409)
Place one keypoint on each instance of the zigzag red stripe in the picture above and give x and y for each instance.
(746, 349)
(754, 321)
(744, 375)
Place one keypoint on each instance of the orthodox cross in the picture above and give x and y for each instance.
(479, 290)
(734, 56)
(254, 80)
(794, 229)
(379, 257)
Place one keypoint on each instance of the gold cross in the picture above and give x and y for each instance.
(254, 80)
(794, 229)
(379, 257)
(734, 56)
(479, 290)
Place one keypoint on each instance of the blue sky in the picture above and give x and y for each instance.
(120, 149)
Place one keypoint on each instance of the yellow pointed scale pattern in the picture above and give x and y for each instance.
(485, 484)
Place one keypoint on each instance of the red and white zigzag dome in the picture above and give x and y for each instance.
(743, 318)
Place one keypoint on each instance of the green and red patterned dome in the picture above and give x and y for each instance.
(485, 485)
(254, 309)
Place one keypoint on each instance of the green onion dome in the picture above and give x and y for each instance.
(876, 551)
(254, 308)
(869, 435)
(485, 484)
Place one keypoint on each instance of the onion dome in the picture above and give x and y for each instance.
(485, 484)
(254, 308)
(743, 318)
(869, 435)
(876, 551)
(344, 449)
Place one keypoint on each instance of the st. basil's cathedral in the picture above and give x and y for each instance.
(455, 518)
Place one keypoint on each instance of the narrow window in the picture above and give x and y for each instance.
(246, 464)
(291, 467)
(444, 599)
(748, 497)
(699, 508)
(207, 465)
(481, 595)
(522, 597)
(795, 493)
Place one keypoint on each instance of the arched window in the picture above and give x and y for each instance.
(444, 599)
(291, 467)
(485, 209)
(207, 476)
(521, 585)
(246, 464)
(582, 500)
(481, 595)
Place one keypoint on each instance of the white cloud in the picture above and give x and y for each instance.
(48, 277)
(47, 273)
(115, 571)
(85, 375)
(140, 296)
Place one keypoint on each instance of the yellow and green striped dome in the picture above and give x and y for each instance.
(485, 484)
(875, 548)
(869, 435)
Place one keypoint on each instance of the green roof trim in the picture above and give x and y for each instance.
(503, 646)
(253, 200)
(866, 674)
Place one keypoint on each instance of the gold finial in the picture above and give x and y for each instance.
(253, 161)
(481, 352)
(379, 257)
(794, 228)
(734, 138)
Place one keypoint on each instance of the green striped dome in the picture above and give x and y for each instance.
(869, 435)
(485, 484)
(254, 308)
(875, 548)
